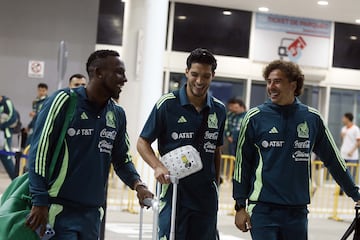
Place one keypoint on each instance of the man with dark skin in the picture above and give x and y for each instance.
(96, 138)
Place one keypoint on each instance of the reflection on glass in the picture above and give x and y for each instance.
(346, 46)
(110, 22)
(222, 31)
(342, 101)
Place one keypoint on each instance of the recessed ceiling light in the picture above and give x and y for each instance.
(116, 22)
(263, 9)
(227, 13)
(181, 17)
(323, 3)
(357, 21)
(353, 37)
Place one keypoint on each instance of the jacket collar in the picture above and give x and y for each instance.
(185, 101)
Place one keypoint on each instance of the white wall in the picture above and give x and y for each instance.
(32, 30)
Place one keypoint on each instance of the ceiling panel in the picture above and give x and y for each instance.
(338, 10)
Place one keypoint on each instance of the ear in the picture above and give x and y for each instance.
(98, 72)
(294, 85)
(186, 72)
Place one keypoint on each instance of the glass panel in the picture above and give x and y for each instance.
(110, 22)
(310, 96)
(341, 101)
(209, 27)
(226, 88)
(258, 94)
(177, 80)
(346, 46)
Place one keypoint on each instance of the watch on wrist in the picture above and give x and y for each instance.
(238, 207)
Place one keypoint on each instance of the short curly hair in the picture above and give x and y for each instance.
(96, 59)
(291, 70)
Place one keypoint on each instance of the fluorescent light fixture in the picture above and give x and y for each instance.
(227, 13)
(181, 17)
(263, 9)
(357, 21)
(353, 37)
(323, 3)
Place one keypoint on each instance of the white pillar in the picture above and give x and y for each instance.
(152, 66)
(145, 23)
(247, 93)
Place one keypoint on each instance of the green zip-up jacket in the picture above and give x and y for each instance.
(95, 138)
(273, 160)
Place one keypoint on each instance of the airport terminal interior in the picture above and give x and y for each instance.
(154, 37)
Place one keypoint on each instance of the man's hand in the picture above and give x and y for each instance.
(32, 114)
(142, 193)
(148, 154)
(38, 217)
(230, 139)
(242, 220)
(161, 174)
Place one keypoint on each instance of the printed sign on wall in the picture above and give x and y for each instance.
(301, 40)
(36, 69)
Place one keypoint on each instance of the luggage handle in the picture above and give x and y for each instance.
(175, 181)
(151, 202)
(154, 204)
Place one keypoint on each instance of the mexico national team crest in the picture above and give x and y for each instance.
(212, 121)
(110, 119)
(303, 130)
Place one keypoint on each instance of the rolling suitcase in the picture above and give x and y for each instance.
(154, 204)
(354, 226)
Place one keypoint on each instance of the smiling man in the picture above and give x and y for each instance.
(71, 199)
(189, 116)
(272, 169)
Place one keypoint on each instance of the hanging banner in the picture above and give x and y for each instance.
(301, 40)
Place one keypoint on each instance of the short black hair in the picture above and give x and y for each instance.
(203, 56)
(291, 70)
(76, 75)
(42, 85)
(236, 100)
(349, 116)
(95, 57)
